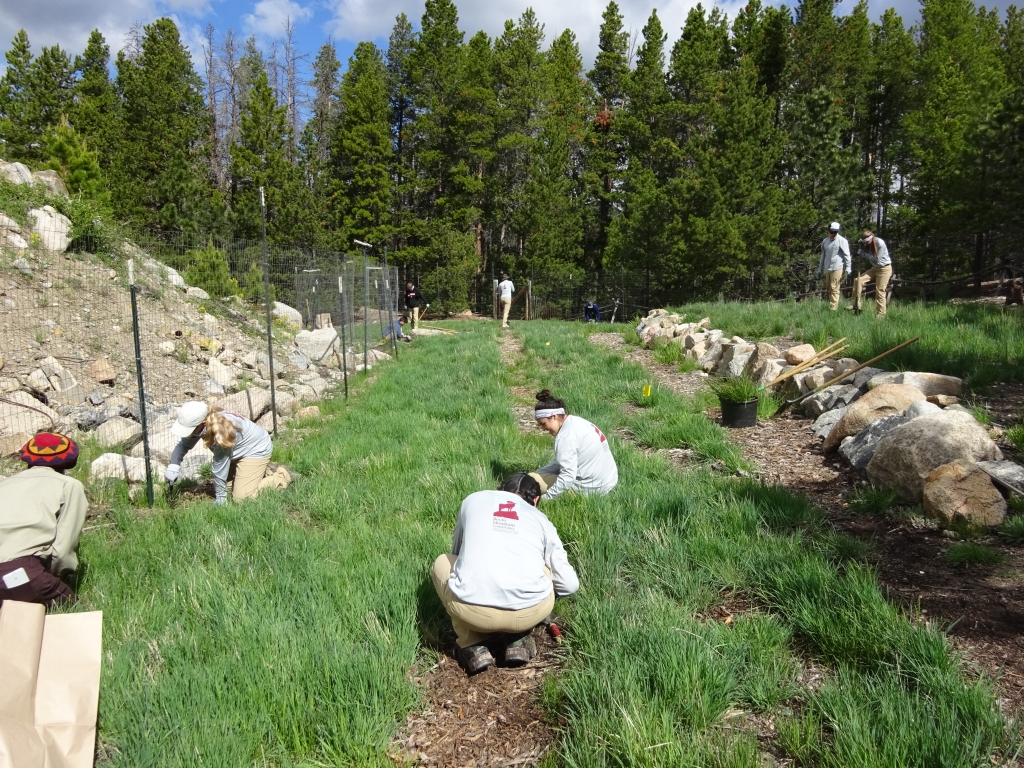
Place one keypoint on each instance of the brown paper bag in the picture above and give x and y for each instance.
(49, 686)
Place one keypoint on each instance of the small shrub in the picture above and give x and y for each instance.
(768, 404)
(1013, 530)
(668, 353)
(968, 553)
(209, 270)
(741, 389)
(871, 499)
(1015, 435)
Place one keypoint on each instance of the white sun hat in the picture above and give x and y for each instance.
(190, 415)
(834, 226)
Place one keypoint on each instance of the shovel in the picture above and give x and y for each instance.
(785, 405)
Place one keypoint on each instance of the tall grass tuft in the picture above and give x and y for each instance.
(970, 553)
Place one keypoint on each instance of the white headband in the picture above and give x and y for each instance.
(547, 413)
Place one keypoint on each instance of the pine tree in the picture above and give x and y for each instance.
(763, 34)
(94, 111)
(642, 121)
(164, 125)
(16, 133)
(260, 159)
(362, 152)
(1008, 138)
(66, 152)
(816, 44)
(316, 136)
(476, 123)
(403, 114)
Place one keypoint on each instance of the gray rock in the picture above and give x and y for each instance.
(22, 413)
(22, 266)
(7, 224)
(96, 398)
(53, 228)
(196, 293)
(957, 408)
(287, 314)
(167, 348)
(118, 431)
(163, 271)
(824, 423)
(830, 398)
(907, 455)
(88, 419)
(884, 378)
(221, 374)
(709, 360)
(736, 366)
(921, 408)
(1006, 473)
(858, 450)
(316, 344)
(933, 383)
(862, 378)
(16, 173)
(52, 181)
(38, 382)
(114, 466)
(250, 403)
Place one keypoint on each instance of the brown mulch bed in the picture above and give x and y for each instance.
(667, 375)
(491, 719)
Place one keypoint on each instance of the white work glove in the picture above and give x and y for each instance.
(172, 472)
(220, 502)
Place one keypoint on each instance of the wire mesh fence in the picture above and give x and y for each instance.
(105, 342)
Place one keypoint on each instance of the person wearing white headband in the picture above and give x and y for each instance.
(583, 460)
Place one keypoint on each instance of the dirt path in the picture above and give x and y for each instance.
(984, 604)
(494, 718)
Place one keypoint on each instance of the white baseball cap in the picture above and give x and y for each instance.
(834, 226)
(190, 415)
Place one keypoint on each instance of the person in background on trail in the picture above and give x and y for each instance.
(42, 511)
(413, 300)
(241, 451)
(874, 250)
(583, 461)
(396, 328)
(591, 312)
(505, 291)
(1016, 293)
(506, 567)
(834, 263)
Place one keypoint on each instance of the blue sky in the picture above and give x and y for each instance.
(68, 22)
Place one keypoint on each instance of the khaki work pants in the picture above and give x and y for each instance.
(473, 623)
(251, 477)
(506, 305)
(545, 481)
(833, 280)
(415, 317)
(881, 277)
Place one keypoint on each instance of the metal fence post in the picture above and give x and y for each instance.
(529, 297)
(366, 312)
(344, 351)
(387, 298)
(494, 299)
(142, 386)
(266, 302)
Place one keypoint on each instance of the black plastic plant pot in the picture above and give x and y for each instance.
(738, 414)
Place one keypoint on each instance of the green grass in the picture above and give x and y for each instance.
(281, 632)
(1015, 435)
(970, 553)
(1012, 530)
(869, 499)
(978, 342)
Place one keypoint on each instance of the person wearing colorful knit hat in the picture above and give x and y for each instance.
(42, 511)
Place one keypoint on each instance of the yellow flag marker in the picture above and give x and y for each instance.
(647, 390)
(547, 343)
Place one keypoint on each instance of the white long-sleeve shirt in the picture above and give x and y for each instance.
(835, 254)
(251, 442)
(506, 288)
(502, 545)
(882, 259)
(583, 460)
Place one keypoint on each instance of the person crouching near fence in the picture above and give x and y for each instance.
(241, 451)
(42, 511)
(506, 567)
(874, 249)
(583, 460)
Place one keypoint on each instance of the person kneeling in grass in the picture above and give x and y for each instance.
(506, 567)
(583, 461)
(396, 328)
(241, 450)
(42, 511)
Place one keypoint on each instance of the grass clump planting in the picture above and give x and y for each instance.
(282, 631)
(1012, 530)
(1015, 435)
(869, 499)
(971, 553)
(739, 389)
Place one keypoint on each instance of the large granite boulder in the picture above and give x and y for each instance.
(250, 403)
(52, 181)
(118, 432)
(933, 384)
(858, 450)
(801, 353)
(906, 456)
(52, 228)
(829, 398)
(317, 344)
(887, 400)
(20, 413)
(962, 492)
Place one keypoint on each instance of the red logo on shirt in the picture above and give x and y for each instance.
(599, 434)
(508, 509)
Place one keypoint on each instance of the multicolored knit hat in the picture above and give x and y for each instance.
(49, 449)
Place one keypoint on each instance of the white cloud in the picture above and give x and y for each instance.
(68, 22)
(270, 16)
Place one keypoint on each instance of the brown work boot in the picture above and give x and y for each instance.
(519, 652)
(475, 658)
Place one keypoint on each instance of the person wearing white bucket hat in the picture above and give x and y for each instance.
(834, 263)
(241, 451)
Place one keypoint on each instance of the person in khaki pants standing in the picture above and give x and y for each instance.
(834, 263)
(505, 291)
(874, 250)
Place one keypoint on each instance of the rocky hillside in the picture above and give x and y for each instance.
(67, 355)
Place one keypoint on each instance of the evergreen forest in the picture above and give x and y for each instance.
(711, 157)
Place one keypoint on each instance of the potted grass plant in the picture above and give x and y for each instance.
(738, 397)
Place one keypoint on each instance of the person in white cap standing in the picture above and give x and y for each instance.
(834, 263)
(875, 250)
(241, 451)
(505, 291)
